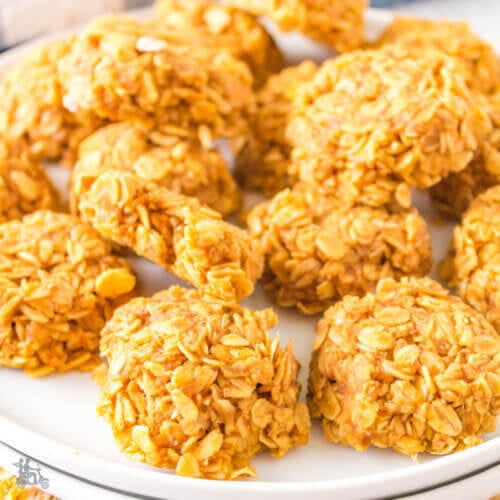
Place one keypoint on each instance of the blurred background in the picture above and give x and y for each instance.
(388, 3)
(24, 19)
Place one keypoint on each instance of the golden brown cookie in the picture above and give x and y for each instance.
(32, 110)
(385, 114)
(223, 28)
(453, 195)
(123, 69)
(173, 161)
(409, 367)
(59, 283)
(339, 24)
(173, 230)
(477, 58)
(24, 187)
(317, 251)
(264, 162)
(476, 246)
(200, 386)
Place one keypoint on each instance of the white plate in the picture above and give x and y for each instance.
(54, 421)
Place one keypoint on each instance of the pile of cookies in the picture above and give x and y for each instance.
(190, 379)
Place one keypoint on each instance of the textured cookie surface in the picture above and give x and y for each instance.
(409, 367)
(199, 386)
(59, 283)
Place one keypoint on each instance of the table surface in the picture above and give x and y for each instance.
(484, 18)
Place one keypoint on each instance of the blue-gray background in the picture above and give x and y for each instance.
(388, 3)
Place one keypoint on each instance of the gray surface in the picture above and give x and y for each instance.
(483, 15)
(388, 3)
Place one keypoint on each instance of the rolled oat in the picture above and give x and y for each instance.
(264, 161)
(172, 161)
(337, 23)
(386, 114)
(317, 251)
(122, 69)
(198, 385)
(476, 245)
(453, 195)
(32, 111)
(24, 187)
(59, 283)
(409, 367)
(477, 58)
(223, 28)
(173, 230)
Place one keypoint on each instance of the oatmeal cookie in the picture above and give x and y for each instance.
(198, 385)
(317, 251)
(264, 162)
(175, 162)
(123, 69)
(32, 111)
(173, 230)
(476, 246)
(478, 60)
(223, 28)
(24, 187)
(453, 195)
(410, 367)
(339, 24)
(59, 283)
(386, 113)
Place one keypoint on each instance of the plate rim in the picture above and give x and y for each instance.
(64, 458)
(113, 475)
